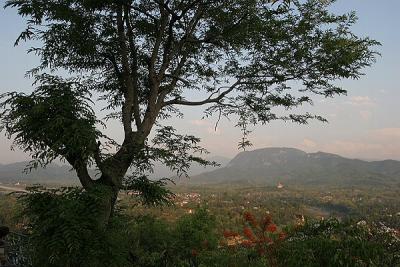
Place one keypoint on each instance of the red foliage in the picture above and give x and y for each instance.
(249, 234)
(271, 228)
(261, 236)
(249, 217)
(194, 253)
(228, 234)
(247, 243)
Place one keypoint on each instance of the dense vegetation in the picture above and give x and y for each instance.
(251, 60)
(234, 226)
(254, 61)
(268, 166)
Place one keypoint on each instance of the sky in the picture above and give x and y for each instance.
(364, 124)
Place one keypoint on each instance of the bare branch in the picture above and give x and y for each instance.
(134, 68)
(210, 99)
(80, 167)
(128, 94)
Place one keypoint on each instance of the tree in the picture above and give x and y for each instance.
(146, 58)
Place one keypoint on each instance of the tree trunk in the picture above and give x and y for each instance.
(107, 198)
(106, 189)
(113, 170)
(105, 193)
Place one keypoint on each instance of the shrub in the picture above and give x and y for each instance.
(150, 242)
(9, 210)
(154, 243)
(317, 243)
(334, 243)
(195, 233)
(257, 244)
(64, 231)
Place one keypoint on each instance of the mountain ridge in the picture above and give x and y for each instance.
(53, 173)
(64, 174)
(264, 166)
(290, 165)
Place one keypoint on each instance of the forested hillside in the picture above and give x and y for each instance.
(269, 166)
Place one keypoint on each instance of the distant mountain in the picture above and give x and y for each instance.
(162, 171)
(53, 173)
(269, 166)
(63, 174)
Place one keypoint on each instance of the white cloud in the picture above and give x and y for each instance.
(308, 144)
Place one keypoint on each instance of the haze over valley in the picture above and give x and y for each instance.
(267, 166)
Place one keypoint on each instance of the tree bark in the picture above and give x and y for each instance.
(113, 171)
(107, 200)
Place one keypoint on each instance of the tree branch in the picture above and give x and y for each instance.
(210, 99)
(165, 6)
(128, 93)
(80, 167)
(144, 12)
(134, 68)
(117, 71)
(169, 52)
(175, 77)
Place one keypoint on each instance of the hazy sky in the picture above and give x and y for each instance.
(363, 124)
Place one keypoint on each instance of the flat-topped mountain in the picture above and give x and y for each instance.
(269, 166)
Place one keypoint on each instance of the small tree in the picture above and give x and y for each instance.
(146, 58)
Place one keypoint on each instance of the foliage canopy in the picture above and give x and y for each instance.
(146, 59)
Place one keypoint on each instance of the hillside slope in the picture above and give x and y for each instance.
(53, 173)
(288, 165)
(63, 174)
